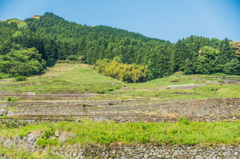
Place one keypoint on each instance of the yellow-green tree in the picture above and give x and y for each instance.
(236, 47)
(131, 73)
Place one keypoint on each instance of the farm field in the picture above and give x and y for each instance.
(99, 110)
(81, 78)
(77, 91)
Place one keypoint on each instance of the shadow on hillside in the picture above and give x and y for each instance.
(48, 64)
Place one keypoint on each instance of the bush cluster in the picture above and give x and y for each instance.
(20, 78)
(22, 62)
(131, 73)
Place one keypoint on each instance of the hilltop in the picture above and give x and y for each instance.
(36, 17)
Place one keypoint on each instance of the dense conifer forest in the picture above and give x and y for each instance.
(26, 47)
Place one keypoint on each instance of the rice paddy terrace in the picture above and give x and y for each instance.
(74, 92)
(71, 111)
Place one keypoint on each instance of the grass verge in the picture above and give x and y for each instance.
(109, 133)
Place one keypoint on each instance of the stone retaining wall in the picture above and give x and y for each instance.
(28, 143)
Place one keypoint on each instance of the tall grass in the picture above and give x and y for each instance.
(107, 133)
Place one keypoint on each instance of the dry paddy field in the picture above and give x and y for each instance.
(74, 94)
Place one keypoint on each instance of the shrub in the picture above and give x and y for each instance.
(44, 142)
(183, 120)
(50, 62)
(21, 62)
(9, 99)
(100, 92)
(44, 138)
(20, 78)
(73, 57)
(188, 71)
(131, 73)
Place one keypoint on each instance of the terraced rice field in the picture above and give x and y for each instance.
(95, 113)
(76, 92)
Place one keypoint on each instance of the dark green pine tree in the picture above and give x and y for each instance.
(224, 55)
(163, 64)
(81, 46)
(139, 56)
(90, 56)
(102, 52)
(130, 53)
(180, 54)
(60, 50)
(65, 50)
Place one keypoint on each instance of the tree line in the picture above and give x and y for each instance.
(58, 39)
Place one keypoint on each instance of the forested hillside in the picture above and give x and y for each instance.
(57, 39)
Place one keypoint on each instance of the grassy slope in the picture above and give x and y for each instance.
(66, 78)
(74, 78)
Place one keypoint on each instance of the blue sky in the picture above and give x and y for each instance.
(164, 19)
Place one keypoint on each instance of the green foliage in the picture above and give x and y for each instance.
(11, 125)
(124, 72)
(22, 62)
(48, 132)
(17, 21)
(9, 99)
(50, 62)
(44, 138)
(188, 71)
(73, 57)
(44, 142)
(107, 133)
(20, 78)
(236, 47)
(21, 27)
(59, 40)
(183, 120)
(118, 59)
(16, 153)
(4, 117)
